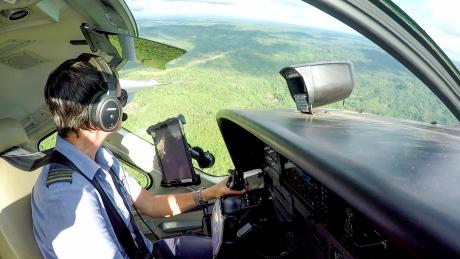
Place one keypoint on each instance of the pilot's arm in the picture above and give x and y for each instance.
(158, 206)
(173, 204)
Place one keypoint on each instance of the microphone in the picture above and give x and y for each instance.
(204, 159)
(124, 117)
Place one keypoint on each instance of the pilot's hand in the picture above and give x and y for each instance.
(219, 190)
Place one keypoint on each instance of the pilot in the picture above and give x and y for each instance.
(70, 219)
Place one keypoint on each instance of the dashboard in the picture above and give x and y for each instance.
(332, 228)
(319, 223)
(340, 185)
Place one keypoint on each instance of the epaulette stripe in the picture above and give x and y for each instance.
(58, 176)
(59, 170)
(61, 179)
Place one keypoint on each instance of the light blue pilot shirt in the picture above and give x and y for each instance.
(69, 219)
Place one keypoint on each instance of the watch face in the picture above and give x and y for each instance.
(200, 197)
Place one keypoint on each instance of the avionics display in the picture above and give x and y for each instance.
(333, 229)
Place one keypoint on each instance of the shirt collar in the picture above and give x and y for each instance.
(104, 158)
(86, 165)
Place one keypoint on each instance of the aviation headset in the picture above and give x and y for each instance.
(104, 110)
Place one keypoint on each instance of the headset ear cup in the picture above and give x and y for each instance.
(92, 109)
(105, 112)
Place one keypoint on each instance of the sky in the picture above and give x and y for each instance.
(439, 18)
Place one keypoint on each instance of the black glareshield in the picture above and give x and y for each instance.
(173, 153)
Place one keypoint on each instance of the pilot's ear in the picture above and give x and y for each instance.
(91, 127)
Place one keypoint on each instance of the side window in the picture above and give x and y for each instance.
(47, 142)
(143, 178)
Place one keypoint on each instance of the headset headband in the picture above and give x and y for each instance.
(106, 73)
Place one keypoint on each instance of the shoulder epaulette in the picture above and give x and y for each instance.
(58, 173)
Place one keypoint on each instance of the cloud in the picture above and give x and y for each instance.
(285, 11)
(440, 19)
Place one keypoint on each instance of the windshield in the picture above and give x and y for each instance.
(235, 50)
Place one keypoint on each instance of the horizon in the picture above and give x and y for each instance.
(234, 20)
(431, 15)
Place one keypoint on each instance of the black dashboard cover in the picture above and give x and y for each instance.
(403, 175)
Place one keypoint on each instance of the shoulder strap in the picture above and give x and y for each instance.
(119, 186)
(121, 230)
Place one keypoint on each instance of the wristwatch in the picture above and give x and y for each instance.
(198, 198)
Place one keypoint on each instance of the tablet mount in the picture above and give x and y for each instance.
(204, 158)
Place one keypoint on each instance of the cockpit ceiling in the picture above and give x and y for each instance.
(8, 4)
(110, 15)
(26, 14)
(29, 52)
(32, 46)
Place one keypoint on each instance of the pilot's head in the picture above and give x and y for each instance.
(78, 96)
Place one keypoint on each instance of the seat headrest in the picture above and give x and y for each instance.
(12, 134)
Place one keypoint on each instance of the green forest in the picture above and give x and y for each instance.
(236, 64)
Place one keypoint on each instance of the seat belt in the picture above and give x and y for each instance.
(119, 186)
(121, 230)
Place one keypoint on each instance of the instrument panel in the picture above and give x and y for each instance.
(329, 227)
(395, 184)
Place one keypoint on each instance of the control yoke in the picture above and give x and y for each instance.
(236, 180)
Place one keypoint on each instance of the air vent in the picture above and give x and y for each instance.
(22, 60)
(11, 45)
(16, 14)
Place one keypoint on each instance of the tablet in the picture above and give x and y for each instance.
(173, 153)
